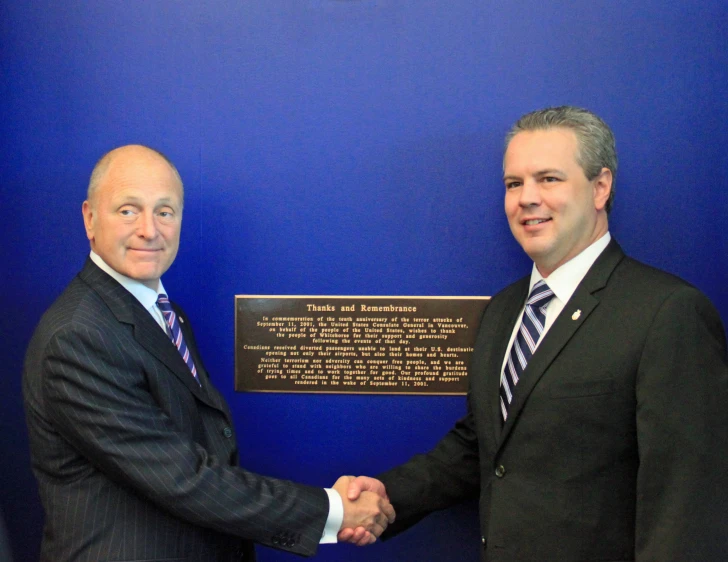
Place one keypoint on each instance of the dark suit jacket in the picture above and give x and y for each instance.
(134, 460)
(615, 444)
(5, 549)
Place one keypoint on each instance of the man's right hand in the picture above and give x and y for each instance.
(369, 513)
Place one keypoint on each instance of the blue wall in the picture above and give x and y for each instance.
(342, 147)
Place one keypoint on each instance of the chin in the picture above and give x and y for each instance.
(534, 249)
(144, 276)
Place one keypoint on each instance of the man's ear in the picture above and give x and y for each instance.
(88, 219)
(602, 188)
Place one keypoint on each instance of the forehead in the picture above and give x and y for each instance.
(550, 148)
(140, 175)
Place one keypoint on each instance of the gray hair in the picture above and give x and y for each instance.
(101, 167)
(596, 144)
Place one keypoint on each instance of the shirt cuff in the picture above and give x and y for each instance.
(335, 519)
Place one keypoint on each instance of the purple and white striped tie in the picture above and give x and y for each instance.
(532, 324)
(175, 333)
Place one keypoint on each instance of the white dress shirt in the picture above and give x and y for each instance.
(146, 296)
(563, 282)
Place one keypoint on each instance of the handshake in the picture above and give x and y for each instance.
(367, 510)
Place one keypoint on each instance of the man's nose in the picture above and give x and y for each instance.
(147, 226)
(530, 194)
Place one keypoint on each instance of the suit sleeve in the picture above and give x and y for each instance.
(682, 432)
(97, 398)
(439, 479)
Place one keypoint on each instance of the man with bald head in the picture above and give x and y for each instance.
(133, 448)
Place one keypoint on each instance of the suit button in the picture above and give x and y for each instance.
(227, 432)
(482, 540)
(500, 471)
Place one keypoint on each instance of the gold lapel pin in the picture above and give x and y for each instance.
(576, 314)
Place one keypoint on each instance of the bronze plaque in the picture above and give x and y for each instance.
(358, 345)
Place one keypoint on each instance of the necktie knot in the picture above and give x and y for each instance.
(540, 292)
(163, 303)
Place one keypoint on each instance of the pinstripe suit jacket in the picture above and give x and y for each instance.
(134, 460)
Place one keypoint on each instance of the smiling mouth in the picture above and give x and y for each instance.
(532, 222)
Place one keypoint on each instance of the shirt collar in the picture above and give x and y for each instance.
(564, 280)
(146, 296)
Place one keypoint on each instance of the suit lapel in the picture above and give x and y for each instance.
(570, 320)
(145, 329)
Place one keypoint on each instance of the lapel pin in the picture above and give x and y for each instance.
(182, 320)
(576, 314)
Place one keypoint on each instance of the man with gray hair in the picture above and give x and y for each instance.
(598, 404)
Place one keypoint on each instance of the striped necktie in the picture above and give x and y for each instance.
(175, 333)
(532, 323)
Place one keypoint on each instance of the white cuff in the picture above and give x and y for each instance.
(335, 519)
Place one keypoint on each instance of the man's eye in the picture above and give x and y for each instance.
(512, 184)
(166, 214)
(550, 179)
(126, 212)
